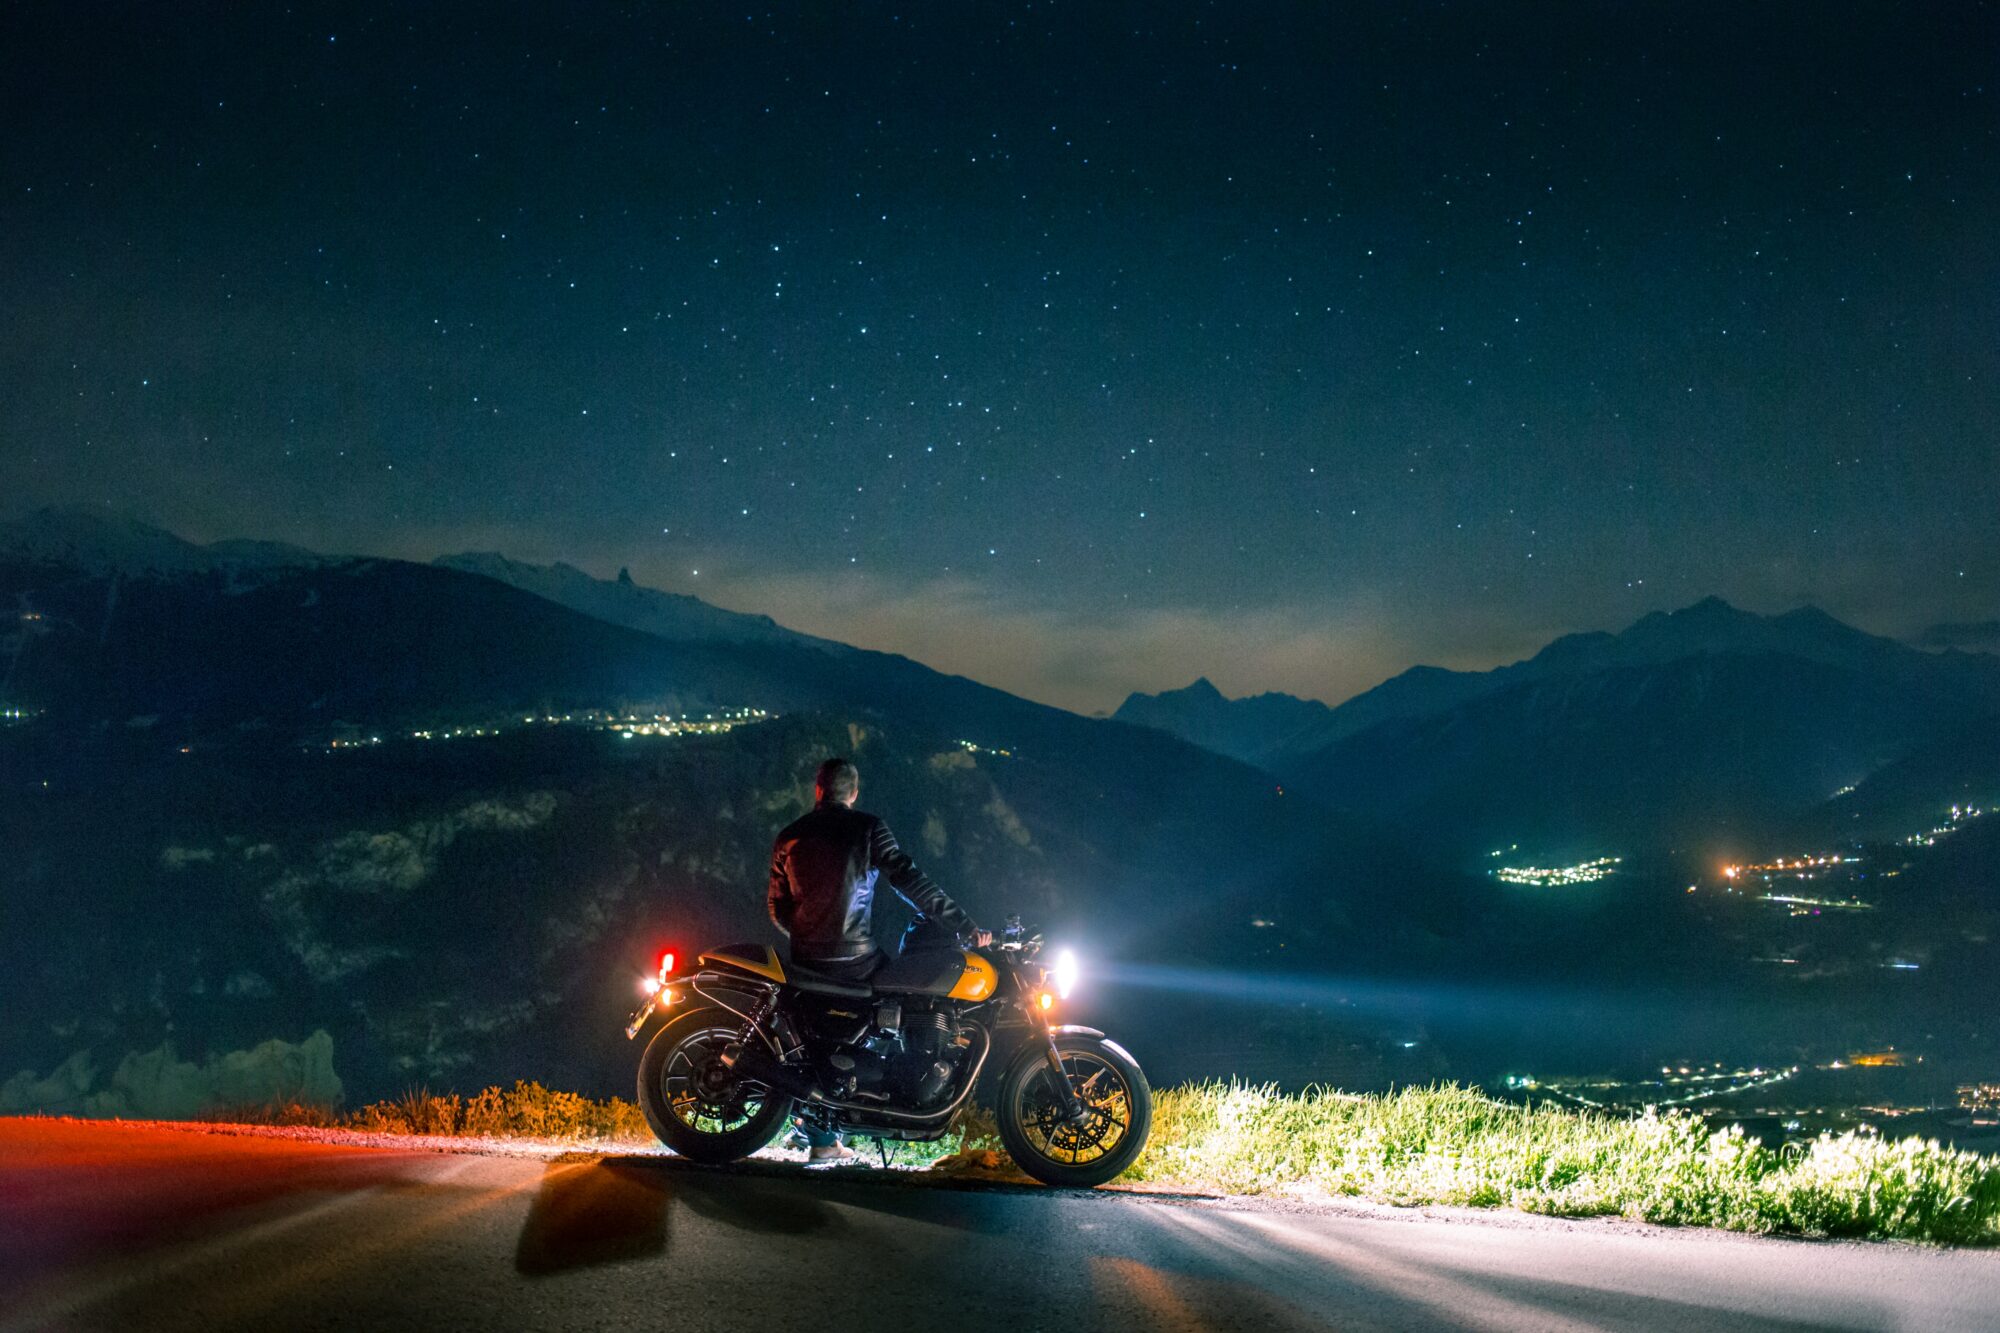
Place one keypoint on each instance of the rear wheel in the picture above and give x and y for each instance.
(1117, 1112)
(695, 1104)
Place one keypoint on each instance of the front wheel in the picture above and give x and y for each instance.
(1117, 1112)
(695, 1104)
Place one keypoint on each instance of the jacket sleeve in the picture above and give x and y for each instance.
(778, 898)
(913, 885)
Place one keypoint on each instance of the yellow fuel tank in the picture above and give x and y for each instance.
(978, 981)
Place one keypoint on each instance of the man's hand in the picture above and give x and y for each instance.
(981, 938)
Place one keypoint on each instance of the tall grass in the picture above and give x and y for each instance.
(524, 1111)
(1454, 1145)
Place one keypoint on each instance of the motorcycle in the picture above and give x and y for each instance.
(749, 1041)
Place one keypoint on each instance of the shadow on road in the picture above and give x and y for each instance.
(1173, 1267)
(592, 1214)
(614, 1210)
(1613, 1307)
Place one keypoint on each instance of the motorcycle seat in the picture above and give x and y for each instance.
(799, 978)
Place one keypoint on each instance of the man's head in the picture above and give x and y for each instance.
(838, 781)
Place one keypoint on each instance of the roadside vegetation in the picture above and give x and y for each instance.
(524, 1111)
(1454, 1145)
(1434, 1145)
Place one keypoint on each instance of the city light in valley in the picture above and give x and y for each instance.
(1584, 872)
(1958, 818)
(627, 723)
(1797, 867)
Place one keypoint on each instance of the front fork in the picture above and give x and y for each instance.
(1073, 1108)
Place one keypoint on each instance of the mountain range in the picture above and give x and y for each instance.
(121, 624)
(1705, 724)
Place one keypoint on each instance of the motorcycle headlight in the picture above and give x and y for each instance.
(1065, 973)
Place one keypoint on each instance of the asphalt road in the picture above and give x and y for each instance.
(139, 1227)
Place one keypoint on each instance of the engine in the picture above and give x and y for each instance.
(932, 1047)
(905, 1050)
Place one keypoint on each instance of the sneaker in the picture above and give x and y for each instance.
(830, 1155)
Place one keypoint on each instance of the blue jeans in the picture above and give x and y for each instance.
(920, 935)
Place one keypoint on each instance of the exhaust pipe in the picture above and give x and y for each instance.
(757, 1064)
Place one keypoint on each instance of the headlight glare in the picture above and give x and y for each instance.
(1066, 971)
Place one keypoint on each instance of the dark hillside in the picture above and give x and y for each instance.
(458, 912)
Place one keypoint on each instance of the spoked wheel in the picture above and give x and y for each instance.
(694, 1103)
(1087, 1149)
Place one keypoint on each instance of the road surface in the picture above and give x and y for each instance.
(155, 1227)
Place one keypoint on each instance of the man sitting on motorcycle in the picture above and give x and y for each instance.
(824, 869)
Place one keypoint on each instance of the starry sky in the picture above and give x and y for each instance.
(1076, 347)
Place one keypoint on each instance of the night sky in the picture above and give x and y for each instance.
(1074, 347)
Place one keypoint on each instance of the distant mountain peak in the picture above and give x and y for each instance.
(1807, 612)
(623, 601)
(104, 541)
(1710, 612)
(1712, 625)
(1251, 729)
(97, 539)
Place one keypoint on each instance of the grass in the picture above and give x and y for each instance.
(1435, 1145)
(1453, 1145)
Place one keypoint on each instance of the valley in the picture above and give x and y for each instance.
(443, 820)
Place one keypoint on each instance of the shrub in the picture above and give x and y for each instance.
(527, 1110)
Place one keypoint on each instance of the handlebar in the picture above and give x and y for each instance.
(1016, 938)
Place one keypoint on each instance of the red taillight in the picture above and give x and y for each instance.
(666, 962)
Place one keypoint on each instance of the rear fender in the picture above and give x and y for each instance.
(739, 995)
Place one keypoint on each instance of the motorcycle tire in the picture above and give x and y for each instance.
(1025, 1084)
(711, 1146)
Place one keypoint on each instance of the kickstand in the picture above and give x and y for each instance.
(882, 1147)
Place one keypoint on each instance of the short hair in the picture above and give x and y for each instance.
(837, 780)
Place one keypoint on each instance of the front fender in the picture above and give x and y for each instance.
(1027, 1043)
(1030, 1048)
(1074, 1030)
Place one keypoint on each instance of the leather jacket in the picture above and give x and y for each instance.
(824, 868)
